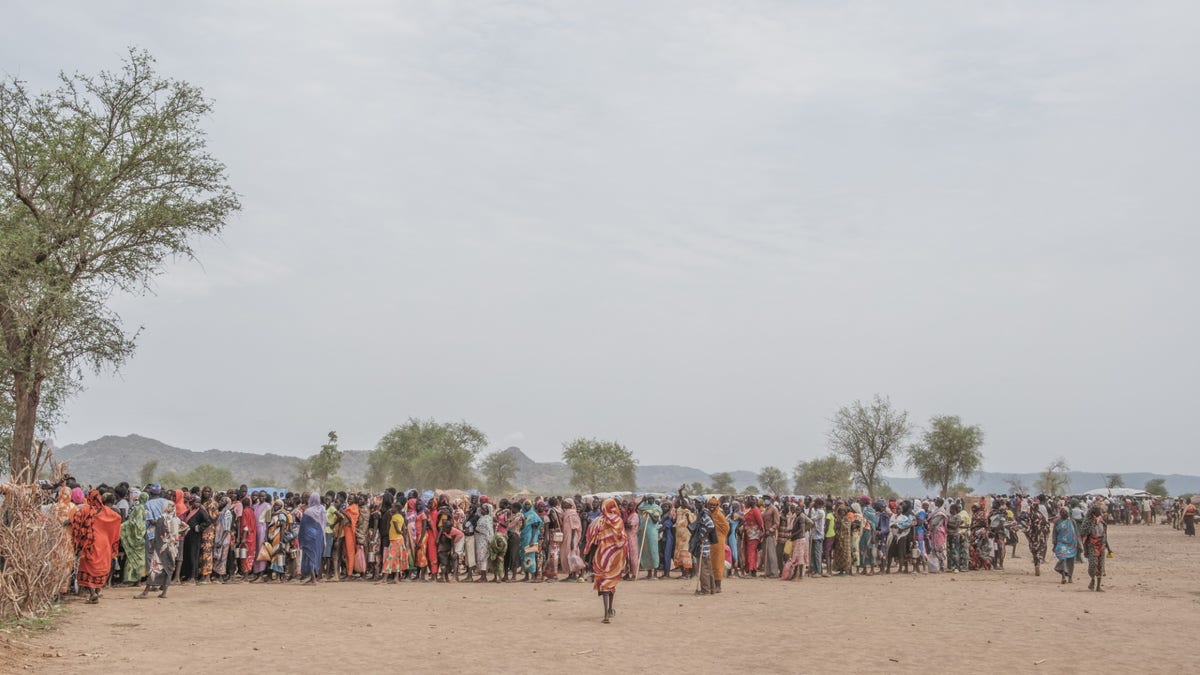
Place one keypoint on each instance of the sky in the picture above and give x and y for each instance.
(694, 228)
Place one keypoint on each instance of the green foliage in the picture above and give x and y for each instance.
(1156, 486)
(697, 488)
(773, 480)
(1054, 481)
(326, 463)
(146, 475)
(216, 477)
(499, 469)
(102, 180)
(948, 452)
(425, 454)
(750, 490)
(867, 436)
(303, 476)
(959, 489)
(1114, 480)
(722, 483)
(598, 466)
(829, 475)
(263, 482)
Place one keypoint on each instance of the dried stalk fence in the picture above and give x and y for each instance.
(31, 575)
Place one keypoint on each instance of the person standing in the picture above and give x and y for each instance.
(312, 538)
(96, 532)
(701, 548)
(771, 523)
(684, 519)
(649, 516)
(817, 540)
(721, 527)
(754, 526)
(1189, 520)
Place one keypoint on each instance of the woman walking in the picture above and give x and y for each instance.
(1095, 541)
(167, 531)
(133, 538)
(1037, 528)
(607, 536)
(1066, 546)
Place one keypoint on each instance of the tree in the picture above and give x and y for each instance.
(102, 180)
(146, 475)
(600, 465)
(1016, 486)
(722, 483)
(959, 489)
(303, 477)
(773, 480)
(1113, 480)
(326, 463)
(948, 451)
(216, 477)
(696, 488)
(1156, 486)
(1054, 481)
(750, 490)
(867, 436)
(425, 454)
(829, 475)
(499, 469)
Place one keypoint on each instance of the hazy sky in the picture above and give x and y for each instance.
(695, 228)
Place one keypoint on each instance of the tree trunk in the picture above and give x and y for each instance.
(25, 398)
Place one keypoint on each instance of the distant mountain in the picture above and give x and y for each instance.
(112, 459)
(115, 458)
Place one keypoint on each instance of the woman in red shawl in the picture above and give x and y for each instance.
(96, 531)
(607, 535)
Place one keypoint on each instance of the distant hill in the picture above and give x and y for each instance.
(115, 458)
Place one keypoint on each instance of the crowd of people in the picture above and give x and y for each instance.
(157, 537)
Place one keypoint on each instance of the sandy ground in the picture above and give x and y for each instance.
(1148, 619)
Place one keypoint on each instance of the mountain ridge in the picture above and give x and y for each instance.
(115, 458)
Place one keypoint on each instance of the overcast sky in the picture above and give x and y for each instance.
(698, 230)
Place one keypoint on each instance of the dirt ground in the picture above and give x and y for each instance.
(1147, 620)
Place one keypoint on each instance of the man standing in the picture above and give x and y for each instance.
(701, 548)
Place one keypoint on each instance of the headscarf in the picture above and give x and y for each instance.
(316, 512)
(77, 495)
(64, 508)
(607, 534)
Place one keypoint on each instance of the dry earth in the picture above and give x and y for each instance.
(1147, 620)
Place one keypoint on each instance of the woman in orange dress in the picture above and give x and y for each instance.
(607, 535)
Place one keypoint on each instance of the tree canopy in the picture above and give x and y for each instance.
(1054, 481)
(1113, 480)
(499, 469)
(1156, 486)
(773, 480)
(948, 452)
(425, 454)
(598, 466)
(829, 475)
(216, 477)
(722, 483)
(102, 179)
(867, 436)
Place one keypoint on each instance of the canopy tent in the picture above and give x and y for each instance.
(1117, 492)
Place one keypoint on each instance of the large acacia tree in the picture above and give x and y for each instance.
(425, 454)
(600, 465)
(102, 180)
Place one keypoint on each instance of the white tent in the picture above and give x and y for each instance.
(1117, 492)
